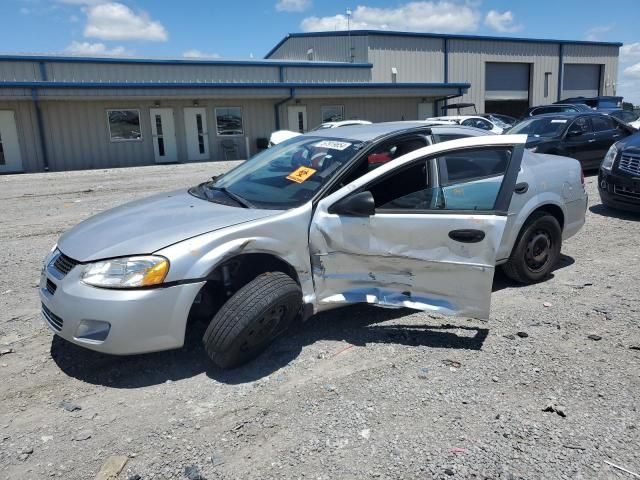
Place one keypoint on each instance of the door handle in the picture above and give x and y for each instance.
(591, 140)
(467, 235)
(616, 135)
(522, 187)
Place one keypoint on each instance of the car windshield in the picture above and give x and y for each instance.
(498, 122)
(285, 176)
(541, 127)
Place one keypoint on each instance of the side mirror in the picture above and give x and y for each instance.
(359, 205)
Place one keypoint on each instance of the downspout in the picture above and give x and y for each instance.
(41, 135)
(276, 107)
(560, 70)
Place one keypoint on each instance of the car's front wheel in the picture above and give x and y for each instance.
(536, 251)
(252, 318)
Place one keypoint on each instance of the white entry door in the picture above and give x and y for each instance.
(10, 158)
(163, 129)
(425, 110)
(298, 118)
(195, 125)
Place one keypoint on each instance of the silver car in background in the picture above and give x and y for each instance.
(376, 214)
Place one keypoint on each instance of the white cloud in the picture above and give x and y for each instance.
(115, 21)
(293, 5)
(82, 2)
(629, 51)
(502, 22)
(594, 34)
(198, 54)
(86, 48)
(423, 16)
(633, 70)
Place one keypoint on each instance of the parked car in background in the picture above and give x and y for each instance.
(629, 117)
(500, 119)
(309, 226)
(585, 136)
(556, 108)
(282, 135)
(619, 175)
(475, 121)
(601, 103)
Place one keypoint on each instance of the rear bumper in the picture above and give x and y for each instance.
(619, 191)
(131, 321)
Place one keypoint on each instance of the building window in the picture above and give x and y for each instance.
(547, 77)
(124, 125)
(332, 113)
(229, 121)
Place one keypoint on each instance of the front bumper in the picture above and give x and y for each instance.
(139, 321)
(619, 191)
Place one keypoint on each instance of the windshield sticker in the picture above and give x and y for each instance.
(333, 145)
(301, 174)
(558, 121)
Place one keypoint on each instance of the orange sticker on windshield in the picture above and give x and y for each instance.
(301, 175)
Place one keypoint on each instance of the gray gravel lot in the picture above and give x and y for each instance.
(356, 393)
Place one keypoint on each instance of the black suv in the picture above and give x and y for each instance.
(556, 108)
(585, 136)
(619, 176)
(602, 103)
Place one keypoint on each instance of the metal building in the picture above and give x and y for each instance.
(65, 113)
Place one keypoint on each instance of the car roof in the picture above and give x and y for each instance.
(568, 114)
(373, 131)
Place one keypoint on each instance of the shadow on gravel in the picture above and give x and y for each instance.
(501, 281)
(605, 211)
(357, 325)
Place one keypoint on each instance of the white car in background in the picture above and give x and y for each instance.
(475, 121)
(280, 136)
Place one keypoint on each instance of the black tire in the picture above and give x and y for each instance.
(536, 251)
(252, 318)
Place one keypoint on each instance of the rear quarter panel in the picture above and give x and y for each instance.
(553, 180)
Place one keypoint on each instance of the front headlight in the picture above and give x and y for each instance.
(143, 271)
(609, 158)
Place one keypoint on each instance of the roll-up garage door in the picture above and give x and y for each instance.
(581, 80)
(507, 88)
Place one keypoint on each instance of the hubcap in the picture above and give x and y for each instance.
(538, 250)
(264, 328)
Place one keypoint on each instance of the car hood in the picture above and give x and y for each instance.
(147, 225)
(630, 143)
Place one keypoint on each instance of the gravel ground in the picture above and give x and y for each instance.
(357, 393)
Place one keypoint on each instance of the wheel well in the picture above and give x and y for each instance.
(552, 210)
(230, 276)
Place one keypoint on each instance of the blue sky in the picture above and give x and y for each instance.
(242, 28)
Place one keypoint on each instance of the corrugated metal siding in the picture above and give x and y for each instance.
(416, 59)
(374, 109)
(27, 127)
(19, 71)
(77, 133)
(114, 72)
(467, 59)
(326, 75)
(599, 55)
(325, 49)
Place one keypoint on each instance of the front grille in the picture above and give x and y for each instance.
(630, 163)
(626, 192)
(64, 264)
(51, 287)
(55, 321)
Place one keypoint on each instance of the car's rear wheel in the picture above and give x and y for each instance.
(536, 251)
(252, 318)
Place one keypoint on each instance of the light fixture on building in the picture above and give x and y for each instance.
(297, 102)
(156, 103)
(394, 74)
(310, 54)
(195, 103)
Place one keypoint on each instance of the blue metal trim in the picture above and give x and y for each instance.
(142, 85)
(41, 135)
(436, 35)
(43, 71)
(560, 70)
(446, 60)
(155, 61)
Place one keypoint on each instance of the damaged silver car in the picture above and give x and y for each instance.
(378, 214)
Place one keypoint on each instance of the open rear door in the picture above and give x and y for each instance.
(429, 235)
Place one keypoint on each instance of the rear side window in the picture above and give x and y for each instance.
(445, 137)
(602, 124)
(581, 124)
(477, 123)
